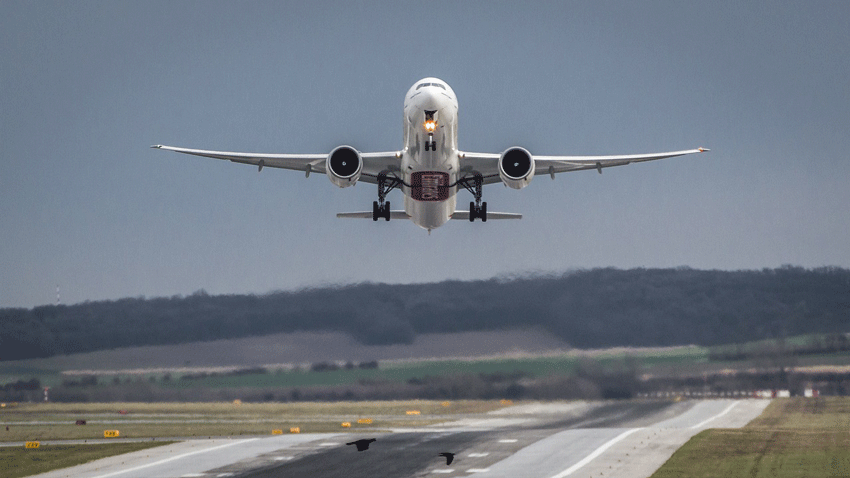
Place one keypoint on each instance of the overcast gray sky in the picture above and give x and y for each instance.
(87, 87)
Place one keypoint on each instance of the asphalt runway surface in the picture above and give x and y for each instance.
(545, 440)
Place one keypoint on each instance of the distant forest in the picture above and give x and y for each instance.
(588, 308)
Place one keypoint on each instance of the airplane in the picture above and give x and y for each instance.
(430, 169)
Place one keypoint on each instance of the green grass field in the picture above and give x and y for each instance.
(17, 462)
(796, 437)
(402, 371)
(391, 371)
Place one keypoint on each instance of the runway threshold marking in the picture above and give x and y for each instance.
(508, 440)
(724, 412)
(141, 467)
(596, 453)
(477, 455)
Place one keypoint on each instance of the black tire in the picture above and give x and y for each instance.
(471, 211)
(387, 210)
(375, 210)
(484, 212)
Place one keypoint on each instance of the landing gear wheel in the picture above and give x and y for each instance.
(381, 208)
(477, 209)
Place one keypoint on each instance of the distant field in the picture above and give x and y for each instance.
(19, 461)
(528, 354)
(538, 364)
(401, 371)
(55, 421)
(794, 437)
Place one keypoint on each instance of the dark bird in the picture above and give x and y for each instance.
(363, 444)
(449, 457)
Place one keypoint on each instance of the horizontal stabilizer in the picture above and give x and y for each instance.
(368, 215)
(464, 215)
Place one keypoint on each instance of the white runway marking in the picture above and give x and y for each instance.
(478, 470)
(477, 455)
(176, 458)
(596, 453)
(193, 475)
(508, 440)
(724, 412)
(328, 444)
(281, 458)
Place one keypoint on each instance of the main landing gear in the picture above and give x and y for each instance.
(477, 209)
(381, 208)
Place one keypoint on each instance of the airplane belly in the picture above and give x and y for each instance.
(429, 201)
(430, 215)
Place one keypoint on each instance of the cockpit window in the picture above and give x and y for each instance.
(421, 85)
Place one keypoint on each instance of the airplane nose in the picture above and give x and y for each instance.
(429, 100)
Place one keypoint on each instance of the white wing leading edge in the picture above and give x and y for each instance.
(373, 163)
(487, 164)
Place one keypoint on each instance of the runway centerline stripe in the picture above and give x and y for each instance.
(724, 412)
(596, 453)
(175, 458)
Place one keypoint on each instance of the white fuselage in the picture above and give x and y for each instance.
(430, 162)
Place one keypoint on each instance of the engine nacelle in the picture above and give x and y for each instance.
(516, 167)
(344, 166)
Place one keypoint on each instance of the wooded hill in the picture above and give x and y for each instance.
(587, 309)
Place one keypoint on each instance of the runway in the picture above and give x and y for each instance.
(614, 439)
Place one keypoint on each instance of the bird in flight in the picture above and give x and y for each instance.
(449, 457)
(363, 444)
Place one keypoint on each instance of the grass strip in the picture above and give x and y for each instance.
(797, 437)
(752, 453)
(17, 462)
(145, 420)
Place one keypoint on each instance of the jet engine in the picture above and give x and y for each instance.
(516, 167)
(344, 166)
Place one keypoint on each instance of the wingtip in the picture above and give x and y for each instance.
(704, 150)
(156, 146)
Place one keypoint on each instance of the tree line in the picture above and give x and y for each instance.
(586, 308)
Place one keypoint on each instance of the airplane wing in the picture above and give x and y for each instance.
(487, 164)
(373, 163)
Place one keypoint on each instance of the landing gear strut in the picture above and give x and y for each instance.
(477, 209)
(381, 208)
